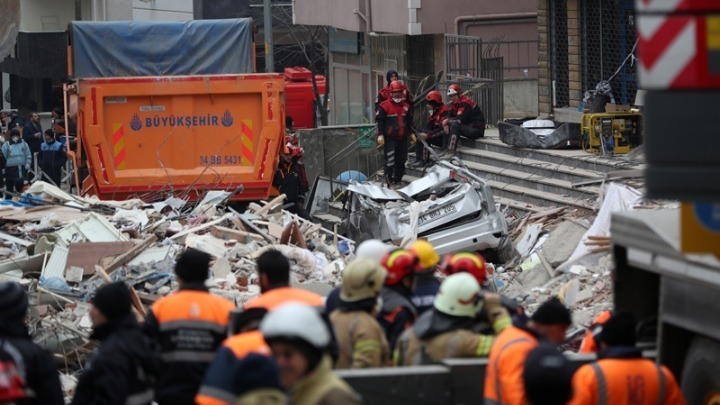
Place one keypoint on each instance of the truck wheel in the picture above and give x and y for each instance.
(701, 373)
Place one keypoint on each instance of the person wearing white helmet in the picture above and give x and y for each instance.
(299, 340)
(360, 337)
(373, 249)
(447, 330)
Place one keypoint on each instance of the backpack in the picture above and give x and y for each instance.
(13, 386)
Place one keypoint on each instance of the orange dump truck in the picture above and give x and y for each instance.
(146, 131)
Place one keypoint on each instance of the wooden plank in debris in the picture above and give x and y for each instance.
(272, 204)
(229, 233)
(88, 254)
(547, 213)
(133, 294)
(13, 239)
(201, 227)
(126, 257)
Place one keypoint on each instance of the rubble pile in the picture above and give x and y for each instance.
(566, 253)
(62, 248)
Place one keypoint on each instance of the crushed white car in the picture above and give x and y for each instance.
(450, 207)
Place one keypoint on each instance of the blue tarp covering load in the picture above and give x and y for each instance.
(145, 48)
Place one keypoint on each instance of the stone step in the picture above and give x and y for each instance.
(575, 158)
(559, 171)
(530, 180)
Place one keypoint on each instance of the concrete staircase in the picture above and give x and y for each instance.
(534, 179)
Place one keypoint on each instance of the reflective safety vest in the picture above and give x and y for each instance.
(503, 376)
(191, 325)
(221, 378)
(634, 381)
(278, 296)
(589, 342)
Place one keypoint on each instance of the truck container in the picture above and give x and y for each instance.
(181, 135)
(300, 96)
(173, 108)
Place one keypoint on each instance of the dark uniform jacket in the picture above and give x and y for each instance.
(190, 325)
(41, 375)
(122, 370)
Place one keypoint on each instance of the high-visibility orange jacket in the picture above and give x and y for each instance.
(277, 296)
(589, 342)
(503, 376)
(220, 382)
(625, 378)
(190, 325)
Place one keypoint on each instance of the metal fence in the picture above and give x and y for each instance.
(466, 65)
(608, 38)
(559, 73)
(520, 57)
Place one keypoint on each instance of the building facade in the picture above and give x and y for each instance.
(419, 38)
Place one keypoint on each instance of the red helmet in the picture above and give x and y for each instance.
(434, 97)
(471, 263)
(396, 86)
(399, 264)
(454, 89)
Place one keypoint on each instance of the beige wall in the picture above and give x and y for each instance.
(398, 16)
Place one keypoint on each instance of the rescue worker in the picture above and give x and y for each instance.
(621, 375)
(299, 339)
(52, 158)
(394, 125)
(290, 179)
(398, 312)
(32, 377)
(125, 366)
(360, 337)
(426, 285)
(229, 377)
(433, 133)
(468, 120)
(18, 159)
(447, 331)
(591, 341)
(373, 249)
(274, 274)
(474, 264)
(503, 377)
(190, 325)
(547, 376)
(384, 93)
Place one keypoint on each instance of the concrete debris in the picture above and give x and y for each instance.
(65, 247)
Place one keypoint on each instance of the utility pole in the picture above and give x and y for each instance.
(267, 28)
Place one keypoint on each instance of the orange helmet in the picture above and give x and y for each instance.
(399, 264)
(454, 89)
(434, 97)
(397, 86)
(471, 263)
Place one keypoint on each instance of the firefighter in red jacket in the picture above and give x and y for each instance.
(433, 132)
(394, 123)
(468, 120)
(384, 93)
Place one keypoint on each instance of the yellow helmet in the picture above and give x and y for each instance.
(362, 279)
(427, 257)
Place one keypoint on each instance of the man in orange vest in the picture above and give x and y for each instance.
(547, 376)
(503, 377)
(231, 374)
(622, 375)
(189, 325)
(591, 341)
(274, 271)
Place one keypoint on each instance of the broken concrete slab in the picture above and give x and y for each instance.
(87, 255)
(562, 242)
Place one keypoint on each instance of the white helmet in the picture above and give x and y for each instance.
(374, 249)
(362, 279)
(459, 295)
(295, 320)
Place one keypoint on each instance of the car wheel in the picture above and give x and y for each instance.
(701, 373)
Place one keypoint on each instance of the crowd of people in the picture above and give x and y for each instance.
(282, 346)
(24, 142)
(447, 123)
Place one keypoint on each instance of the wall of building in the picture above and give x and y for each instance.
(337, 13)
(46, 15)
(520, 98)
(119, 10)
(162, 10)
(439, 16)
(544, 83)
